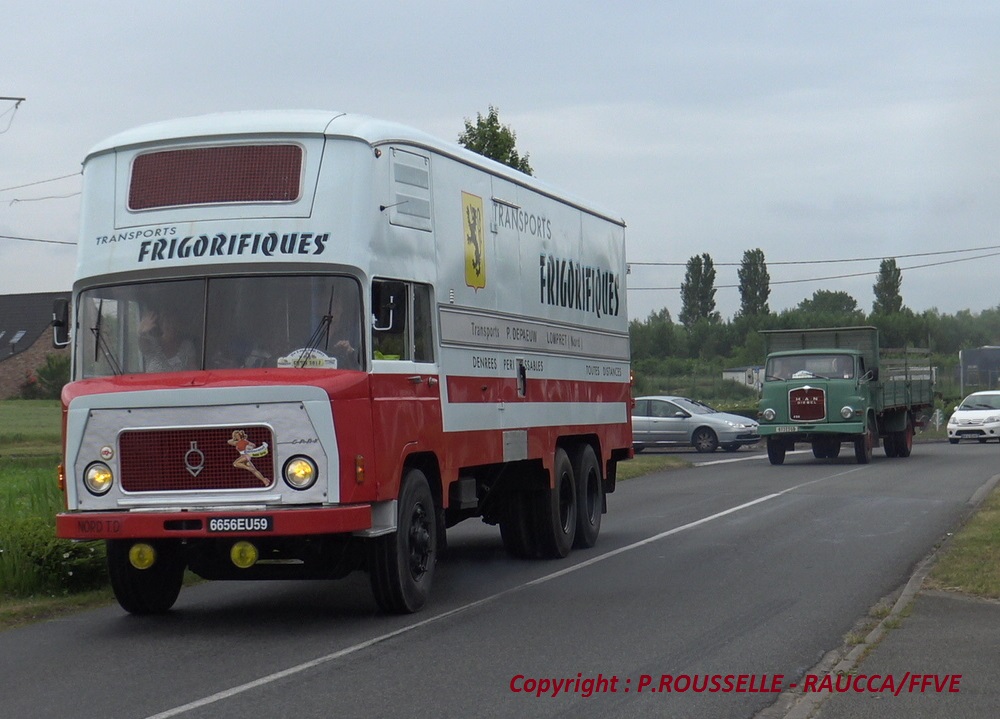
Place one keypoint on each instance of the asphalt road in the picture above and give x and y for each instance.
(729, 568)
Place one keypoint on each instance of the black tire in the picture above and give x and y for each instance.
(637, 448)
(557, 509)
(820, 450)
(589, 497)
(904, 442)
(952, 441)
(833, 451)
(775, 450)
(704, 440)
(401, 564)
(891, 445)
(863, 445)
(145, 591)
(517, 525)
(731, 447)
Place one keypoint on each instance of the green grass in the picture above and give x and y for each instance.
(971, 561)
(30, 427)
(648, 464)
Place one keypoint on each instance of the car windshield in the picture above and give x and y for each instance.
(694, 407)
(981, 401)
(219, 323)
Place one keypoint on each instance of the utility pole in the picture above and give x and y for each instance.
(18, 100)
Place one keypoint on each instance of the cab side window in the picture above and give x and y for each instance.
(402, 327)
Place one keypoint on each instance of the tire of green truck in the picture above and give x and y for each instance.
(904, 440)
(776, 450)
(863, 445)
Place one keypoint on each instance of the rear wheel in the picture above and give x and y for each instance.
(904, 441)
(775, 450)
(731, 447)
(589, 497)
(952, 441)
(146, 591)
(557, 510)
(401, 564)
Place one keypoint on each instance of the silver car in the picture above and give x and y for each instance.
(664, 421)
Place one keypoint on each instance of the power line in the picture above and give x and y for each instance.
(841, 277)
(822, 262)
(40, 182)
(37, 239)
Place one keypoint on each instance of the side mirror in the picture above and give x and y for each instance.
(873, 375)
(60, 323)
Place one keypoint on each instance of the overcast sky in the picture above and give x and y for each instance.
(814, 130)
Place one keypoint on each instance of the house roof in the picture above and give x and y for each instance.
(23, 319)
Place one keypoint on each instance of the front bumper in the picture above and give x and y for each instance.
(197, 524)
(807, 430)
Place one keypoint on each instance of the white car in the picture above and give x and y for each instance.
(662, 421)
(978, 417)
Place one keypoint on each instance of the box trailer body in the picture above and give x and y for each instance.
(305, 343)
(828, 386)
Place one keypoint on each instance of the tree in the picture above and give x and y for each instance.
(887, 298)
(698, 292)
(832, 303)
(755, 284)
(491, 139)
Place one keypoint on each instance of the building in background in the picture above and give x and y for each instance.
(25, 337)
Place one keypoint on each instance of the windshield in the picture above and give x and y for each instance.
(220, 323)
(694, 407)
(824, 366)
(981, 401)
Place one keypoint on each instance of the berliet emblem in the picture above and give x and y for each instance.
(194, 459)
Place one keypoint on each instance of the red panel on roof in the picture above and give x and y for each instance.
(212, 175)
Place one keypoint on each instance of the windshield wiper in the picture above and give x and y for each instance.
(101, 345)
(321, 333)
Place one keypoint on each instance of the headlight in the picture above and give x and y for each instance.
(846, 412)
(768, 414)
(98, 478)
(991, 420)
(300, 472)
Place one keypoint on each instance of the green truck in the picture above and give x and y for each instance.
(825, 387)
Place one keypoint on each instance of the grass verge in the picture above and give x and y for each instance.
(971, 562)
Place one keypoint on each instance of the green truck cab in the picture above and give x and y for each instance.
(834, 385)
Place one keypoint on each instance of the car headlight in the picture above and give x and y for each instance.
(98, 478)
(300, 472)
(769, 414)
(991, 420)
(846, 412)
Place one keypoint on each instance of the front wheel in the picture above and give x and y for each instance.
(401, 564)
(731, 447)
(863, 445)
(704, 440)
(775, 451)
(145, 591)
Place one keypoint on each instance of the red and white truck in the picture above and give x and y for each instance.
(306, 343)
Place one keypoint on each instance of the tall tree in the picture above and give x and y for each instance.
(698, 292)
(755, 284)
(491, 139)
(887, 298)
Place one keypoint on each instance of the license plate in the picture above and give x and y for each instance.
(786, 428)
(252, 523)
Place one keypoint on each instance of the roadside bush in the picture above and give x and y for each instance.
(47, 381)
(34, 560)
